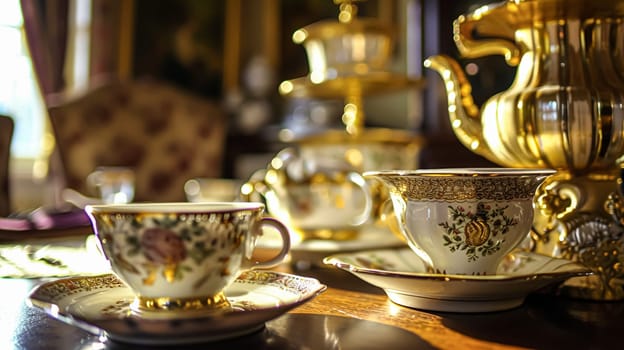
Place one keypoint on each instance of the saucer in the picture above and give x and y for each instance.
(402, 275)
(101, 305)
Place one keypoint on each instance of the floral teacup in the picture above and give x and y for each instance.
(463, 221)
(181, 256)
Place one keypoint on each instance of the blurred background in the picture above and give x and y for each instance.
(232, 54)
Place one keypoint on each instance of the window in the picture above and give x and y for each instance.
(20, 97)
(19, 94)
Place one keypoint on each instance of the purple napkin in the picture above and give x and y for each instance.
(46, 219)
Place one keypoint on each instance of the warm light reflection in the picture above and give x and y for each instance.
(54, 310)
(358, 47)
(271, 177)
(286, 87)
(316, 60)
(192, 187)
(277, 163)
(394, 309)
(317, 77)
(478, 13)
(286, 135)
(350, 113)
(354, 157)
(351, 129)
(350, 108)
(299, 36)
(345, 17)
(246, 189)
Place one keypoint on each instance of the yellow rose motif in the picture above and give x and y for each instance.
(476, 232)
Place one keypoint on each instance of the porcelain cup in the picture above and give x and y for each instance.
(463, 221)
(179, 257)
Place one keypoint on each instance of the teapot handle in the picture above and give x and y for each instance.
(500, 38)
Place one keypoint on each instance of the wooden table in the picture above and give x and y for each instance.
(351, 314)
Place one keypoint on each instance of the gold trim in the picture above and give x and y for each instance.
(210, 303)
(327, 234)
(458, 187)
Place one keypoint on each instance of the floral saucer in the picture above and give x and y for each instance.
(101, 305)
(402, 275)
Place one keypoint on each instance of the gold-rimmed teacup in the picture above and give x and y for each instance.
(465, 220)
(178, 258)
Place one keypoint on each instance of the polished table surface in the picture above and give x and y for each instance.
(352, 314)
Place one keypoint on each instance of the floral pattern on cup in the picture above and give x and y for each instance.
(173, 246)
(463, 221)
(181, 256)
(474, 232)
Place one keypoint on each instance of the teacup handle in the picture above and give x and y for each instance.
(388, 217)
(359, 181)
(279, 258)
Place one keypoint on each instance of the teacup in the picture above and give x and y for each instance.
(181, 256)
(463, 221)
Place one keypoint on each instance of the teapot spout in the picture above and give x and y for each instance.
(463, 113)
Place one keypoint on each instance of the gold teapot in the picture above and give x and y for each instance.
(564, 110)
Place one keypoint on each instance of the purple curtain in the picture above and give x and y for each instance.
(45, 22)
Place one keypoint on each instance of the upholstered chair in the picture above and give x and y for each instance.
(165, 134)
(6, 135)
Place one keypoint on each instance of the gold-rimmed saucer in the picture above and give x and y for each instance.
(101, 306)
(402, 275)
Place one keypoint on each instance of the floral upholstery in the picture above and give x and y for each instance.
(6, 135)
(165, 134)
